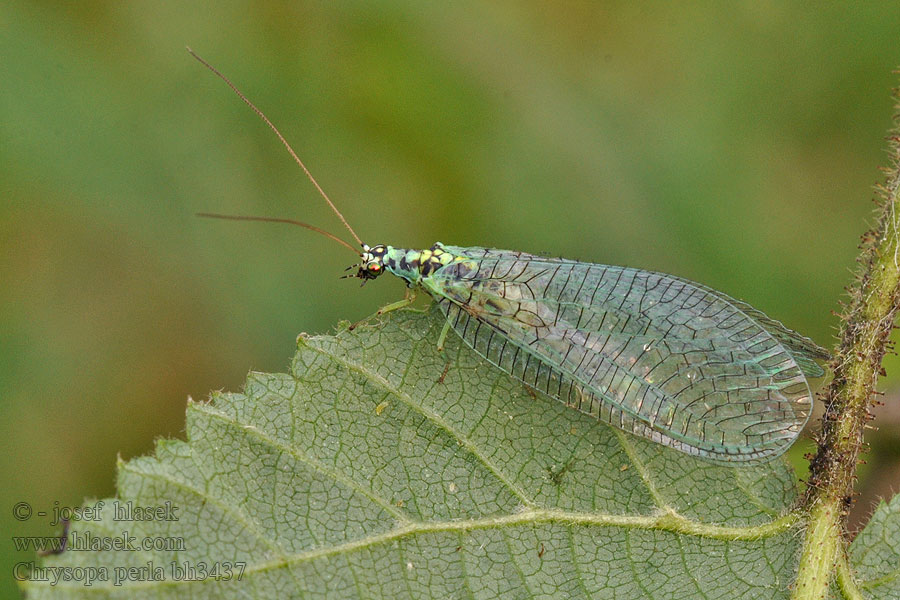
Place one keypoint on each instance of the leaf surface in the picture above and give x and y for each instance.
(364, 474)
(875, 553)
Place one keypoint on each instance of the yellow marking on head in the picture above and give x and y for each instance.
(425, 255)
(445, 258)
(438, 251)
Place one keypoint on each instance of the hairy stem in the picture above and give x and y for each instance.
(864, 338)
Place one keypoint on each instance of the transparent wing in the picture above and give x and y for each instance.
(656, 355)
(805, 351)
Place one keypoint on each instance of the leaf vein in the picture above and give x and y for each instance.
(433, 417)
(669, 522)
(335, 474)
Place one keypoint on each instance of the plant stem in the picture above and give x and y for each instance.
(867, 323)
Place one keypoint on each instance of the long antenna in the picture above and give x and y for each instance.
(278, 220)
(283, 141)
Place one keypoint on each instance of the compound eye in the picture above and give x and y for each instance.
(374, 267)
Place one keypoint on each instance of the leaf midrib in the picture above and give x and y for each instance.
(668, 521)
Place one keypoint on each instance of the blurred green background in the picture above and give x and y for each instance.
(734, 144)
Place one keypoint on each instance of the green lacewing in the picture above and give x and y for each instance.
(652, 354)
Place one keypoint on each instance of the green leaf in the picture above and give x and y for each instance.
(364, 473)
(875, 553)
